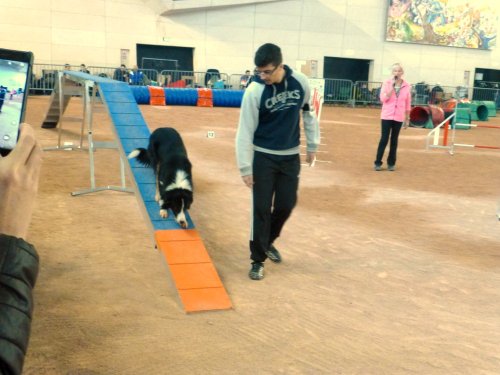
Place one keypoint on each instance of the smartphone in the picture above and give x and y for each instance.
(15, 71)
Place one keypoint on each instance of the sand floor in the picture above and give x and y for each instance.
(383, 272)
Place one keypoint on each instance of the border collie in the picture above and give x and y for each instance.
(167, 155)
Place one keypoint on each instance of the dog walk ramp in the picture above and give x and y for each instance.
(195, 277)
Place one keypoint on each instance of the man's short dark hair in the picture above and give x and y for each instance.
(268, 54)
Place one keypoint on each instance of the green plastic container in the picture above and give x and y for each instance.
(478, 111)
(492, 108)
(463, 116)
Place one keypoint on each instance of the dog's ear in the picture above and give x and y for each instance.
(188, 200)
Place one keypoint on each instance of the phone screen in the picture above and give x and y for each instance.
(13, 85)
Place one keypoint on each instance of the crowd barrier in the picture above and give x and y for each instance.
(337, 91)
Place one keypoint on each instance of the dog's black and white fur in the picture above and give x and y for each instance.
(167, 155)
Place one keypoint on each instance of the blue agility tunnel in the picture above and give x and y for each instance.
(227, 98)
(189, 96)
(141, 94)
(175, 96)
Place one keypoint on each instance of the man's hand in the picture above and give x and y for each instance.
(248, 180)
(311, 158)
(19, 173)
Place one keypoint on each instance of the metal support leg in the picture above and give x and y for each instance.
(61, 81)
(88, 119)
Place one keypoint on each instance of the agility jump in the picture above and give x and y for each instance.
(439, 137)
(194, 275)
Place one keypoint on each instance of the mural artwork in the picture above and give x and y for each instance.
(453, 23)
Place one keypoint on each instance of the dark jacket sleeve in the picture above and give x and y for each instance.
(18, 273)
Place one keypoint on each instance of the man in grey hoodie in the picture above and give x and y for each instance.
(268, 148)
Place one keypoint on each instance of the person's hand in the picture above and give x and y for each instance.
(311, 158)
(406, 123)
(19, 172)
(248, 180)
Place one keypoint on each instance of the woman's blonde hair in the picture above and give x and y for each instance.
(397, 65)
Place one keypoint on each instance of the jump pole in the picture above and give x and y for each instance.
(453, 144)
(434, 134)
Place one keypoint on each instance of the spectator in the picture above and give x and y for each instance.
(19, 173)
(67, 66)
(363, 94)
(84, 69)
(136, 77)
(219, 84)
(3, 92)
(421, 93)
(244, 79)
(462, 92)
(250, 80)
(121, 73)
(437, 94)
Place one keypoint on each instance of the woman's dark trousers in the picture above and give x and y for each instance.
(390, 129)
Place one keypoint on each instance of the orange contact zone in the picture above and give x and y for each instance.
(194, 275)
(204, 98)
(156, 95)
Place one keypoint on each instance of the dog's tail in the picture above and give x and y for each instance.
(142, 156)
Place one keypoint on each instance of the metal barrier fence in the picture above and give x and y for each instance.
(181, 78)
(486, 94)
(423, 94)
(366, 93)
(337, 91)
(235, 81)
(43, 78)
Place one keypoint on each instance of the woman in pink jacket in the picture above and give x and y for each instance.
(395, 96)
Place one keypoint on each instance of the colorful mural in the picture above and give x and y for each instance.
(454, 23)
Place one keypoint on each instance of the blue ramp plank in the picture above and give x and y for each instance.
(144, 176)
(147, 191)
(134, 164)
(130, 144)
(119, 97)
(123, 119)
(125, 132)
(123, 107)
(113, 86)
(169, 224)
(153, 210)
